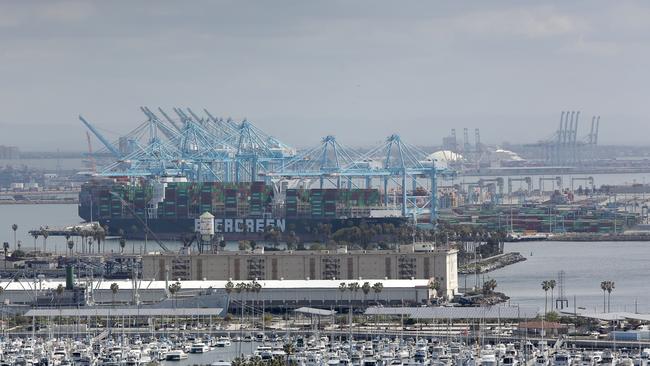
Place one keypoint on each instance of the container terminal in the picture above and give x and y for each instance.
(206, 181)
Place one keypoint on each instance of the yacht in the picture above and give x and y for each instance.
(176, 355)
(199, 347)
(223, 342)
(587, 359)
(562, 359)
(509, 360)
(541, 360)
(221, 363)
(489, 359)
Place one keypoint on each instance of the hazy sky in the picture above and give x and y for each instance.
(300, 70)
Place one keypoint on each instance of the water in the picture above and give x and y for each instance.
(586, 264)
(31, 217)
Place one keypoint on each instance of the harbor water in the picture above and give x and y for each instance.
(586, 265)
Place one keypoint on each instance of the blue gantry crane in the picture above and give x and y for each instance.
(207, 148)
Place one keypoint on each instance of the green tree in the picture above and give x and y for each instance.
(229, 287)
(70, 246)
(174, 288)
(354, 288)
(114, 288)
(489, 286)
(342, 288)
(59, 292)
(289, 350)
(378, 287)
(366, 288)
(244, 245)
(122, 244)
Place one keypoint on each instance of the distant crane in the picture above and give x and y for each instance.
(91, 158)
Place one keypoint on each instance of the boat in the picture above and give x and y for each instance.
(199, 347)
(562, 359)
(221, 363)
(176, 355)
(222, 342)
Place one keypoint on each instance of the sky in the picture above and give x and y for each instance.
(301, 70)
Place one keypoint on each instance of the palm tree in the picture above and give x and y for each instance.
(610, 287)
(342, 288)
(489, 286)
(378, 287)
(59, 291)
(122, 244)
(45, 234)
(173, 290)
(434, 285)
(114, 288)
(552, 284)
(366, 290)
(546, 286)
(288, 350)
(14, 227)
(99, 234)
(353, 287)
(239, 288)
(229, 287)
(603, 286)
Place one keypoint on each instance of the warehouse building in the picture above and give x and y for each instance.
(419, 261)
(274, 294)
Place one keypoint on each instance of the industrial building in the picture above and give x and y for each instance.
(419, 261)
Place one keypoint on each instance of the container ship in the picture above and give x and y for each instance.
(170, 207)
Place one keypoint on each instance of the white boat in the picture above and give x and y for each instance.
(221, 363)
(488, 359)
(587, 359)
(199, 347)
(176, 355)
(509, 360)
(223, 342)
(562, 359)
(541, 361)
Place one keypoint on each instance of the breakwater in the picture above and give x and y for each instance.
(492, 263)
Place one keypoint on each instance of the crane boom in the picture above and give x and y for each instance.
(93, 166)
(169, 119)
(101, 138)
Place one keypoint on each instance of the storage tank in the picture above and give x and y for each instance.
(206, 225)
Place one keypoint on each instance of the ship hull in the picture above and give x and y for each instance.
(305, 229)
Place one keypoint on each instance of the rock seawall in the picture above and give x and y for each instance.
(492, 263)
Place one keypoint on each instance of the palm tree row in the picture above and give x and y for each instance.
(607, 287)
(354, 287)
(548, 285)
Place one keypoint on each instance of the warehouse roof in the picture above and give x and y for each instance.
(483, 312)
(103, 312)
(315, 311)
(197, 285)
(614, 316)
